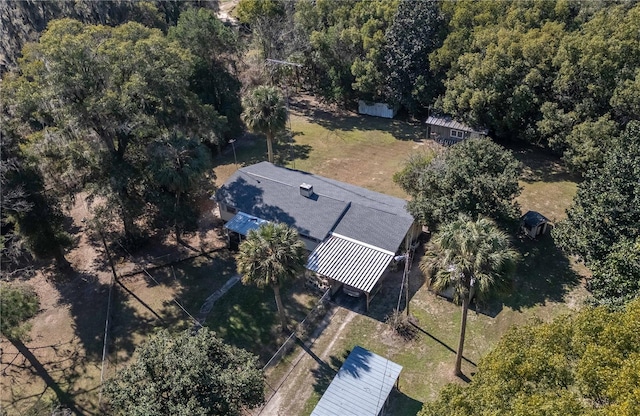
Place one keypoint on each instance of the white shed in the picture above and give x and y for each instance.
(377, 109)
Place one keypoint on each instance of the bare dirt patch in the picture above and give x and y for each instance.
(61, 359)
(298, 384)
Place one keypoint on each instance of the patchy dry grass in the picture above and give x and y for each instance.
(365, 151)
(547, 187)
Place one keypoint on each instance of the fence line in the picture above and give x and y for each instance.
(301, 334)
(301, 331)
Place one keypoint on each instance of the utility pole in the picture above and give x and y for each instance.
(107, 323)
(235, 159)
(407, 262)
(286, 88)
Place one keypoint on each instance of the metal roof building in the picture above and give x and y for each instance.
(450, 123)
(361, 387)
(243, 223)
(350, 262)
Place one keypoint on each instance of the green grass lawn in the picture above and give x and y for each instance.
(367, 151)
(245, 316)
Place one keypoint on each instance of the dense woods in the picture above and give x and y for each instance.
(562, 75)
(129, 102)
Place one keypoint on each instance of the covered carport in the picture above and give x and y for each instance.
(350, 263)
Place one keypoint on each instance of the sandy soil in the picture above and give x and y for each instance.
(297, 385)
(64, 349)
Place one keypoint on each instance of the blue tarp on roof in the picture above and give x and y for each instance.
(361, 387)
(242, 223)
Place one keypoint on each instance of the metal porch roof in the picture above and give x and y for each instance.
(242, 223)
(349, 261)
(361, 387)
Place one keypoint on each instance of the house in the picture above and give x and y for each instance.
(352, 233)
(447, 131)
(533, 224)
(361, 387)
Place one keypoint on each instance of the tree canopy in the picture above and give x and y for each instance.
(17, 303)
(215, 50)
(344, 48)
(475, 177)
(30, 218)
(586, 364)
(187, 374)
(561, 74)
(23, 21)
(417, 30)
(92, 98)
(265, 112)
(603, 222)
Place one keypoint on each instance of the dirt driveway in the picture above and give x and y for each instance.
(296, 387)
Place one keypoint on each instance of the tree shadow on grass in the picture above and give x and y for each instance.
(189, 283)
(345, 121)
(538, 165)
(87, 299)
(324, 374)
(286, 152)
(401, 404)
(543, 275)
(59, 375)
(246, 316)
(443, 344)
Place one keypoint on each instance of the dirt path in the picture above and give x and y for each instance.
(211, 300)
(298, 384)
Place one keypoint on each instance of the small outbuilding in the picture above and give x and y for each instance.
(533, 224)
(448, 131)
(383, 110)
(361, 387)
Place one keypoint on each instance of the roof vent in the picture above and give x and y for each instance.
(306, 190)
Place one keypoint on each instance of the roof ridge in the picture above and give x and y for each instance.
(337, 184)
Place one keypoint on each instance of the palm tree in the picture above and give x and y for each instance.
(269, 256)
(468, 255)
(265, 112)
(179, 166)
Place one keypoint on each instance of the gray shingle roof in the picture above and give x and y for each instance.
(361, 386)
(273, 193)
